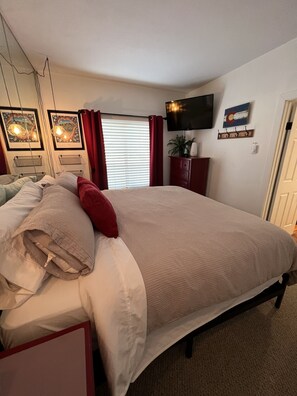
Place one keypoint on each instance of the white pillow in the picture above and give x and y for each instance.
(13, 188)
(17, 279)
(8, 178)
(47, 179)
(68, 180)
(12, 296)
(17, 208)
(2, 195)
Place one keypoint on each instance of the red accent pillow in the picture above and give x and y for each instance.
(98, 207)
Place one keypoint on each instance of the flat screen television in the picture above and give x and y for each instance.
(190, 113)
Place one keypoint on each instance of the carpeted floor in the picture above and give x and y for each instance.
(254, 354)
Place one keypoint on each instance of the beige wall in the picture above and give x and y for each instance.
(237, 177)
(74, 92)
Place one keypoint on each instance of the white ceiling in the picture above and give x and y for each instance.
(167, 43)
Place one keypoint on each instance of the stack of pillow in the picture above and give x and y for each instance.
(47, 229)
(10, 185)
(16, 284)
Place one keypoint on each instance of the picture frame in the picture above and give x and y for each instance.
(70, 120)
(236, 116)
(27, 118)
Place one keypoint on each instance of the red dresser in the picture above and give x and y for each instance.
(190, 173)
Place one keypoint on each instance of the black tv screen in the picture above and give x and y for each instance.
(190, 113)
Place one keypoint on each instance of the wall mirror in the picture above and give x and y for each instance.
(22, 120)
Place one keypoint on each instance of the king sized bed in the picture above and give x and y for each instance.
(180, 260)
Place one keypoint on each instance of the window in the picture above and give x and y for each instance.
(127, 153)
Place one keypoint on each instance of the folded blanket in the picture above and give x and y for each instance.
(58, 235)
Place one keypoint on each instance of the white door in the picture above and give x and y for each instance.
(284, 212)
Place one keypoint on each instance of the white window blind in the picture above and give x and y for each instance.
(127, 152)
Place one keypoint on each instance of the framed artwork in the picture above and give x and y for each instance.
(21, 129)
(71, 137)
(237, 115)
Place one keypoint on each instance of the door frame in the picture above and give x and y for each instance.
(289, 106)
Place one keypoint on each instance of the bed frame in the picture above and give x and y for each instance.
(276, 290)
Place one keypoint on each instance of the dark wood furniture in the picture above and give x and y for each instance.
(276, 290)
(190, 173)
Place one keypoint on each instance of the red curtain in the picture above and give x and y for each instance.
(3, 167)
(156, 150)
(95, 146)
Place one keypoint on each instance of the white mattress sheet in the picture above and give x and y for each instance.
(56, 306)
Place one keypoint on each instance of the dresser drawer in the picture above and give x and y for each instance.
(189, 173)
(184, 164)
(183, 183)
(181, 175)
(180, 178)
(179, 182)
(179, 163)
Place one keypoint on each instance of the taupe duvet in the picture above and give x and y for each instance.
(194, 252)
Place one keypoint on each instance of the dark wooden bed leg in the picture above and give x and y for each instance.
(276, 290)
(189, 346)
(280, 297)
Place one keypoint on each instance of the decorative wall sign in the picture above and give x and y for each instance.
(237, 115)
(27, 134)
(72, 138)
(236, 134)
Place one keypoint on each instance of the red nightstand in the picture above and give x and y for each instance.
(56, 365)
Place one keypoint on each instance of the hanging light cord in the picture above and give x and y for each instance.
(35, 72)
(37, 86)
(46, 62)
(41, 107)
(6, 89)
(10, 61)
(51, 82)
(26, 73)
(13, 69)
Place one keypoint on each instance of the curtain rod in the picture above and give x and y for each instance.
(128, 115)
